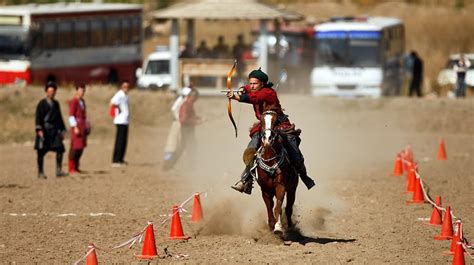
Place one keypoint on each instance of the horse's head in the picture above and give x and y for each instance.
(268, 121)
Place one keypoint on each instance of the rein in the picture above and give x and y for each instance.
(273, 168)
(279, 158)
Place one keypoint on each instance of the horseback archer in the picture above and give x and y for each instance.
(263, 97)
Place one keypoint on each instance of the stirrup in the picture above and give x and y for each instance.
(243, 187)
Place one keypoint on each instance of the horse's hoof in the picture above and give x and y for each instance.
(278, 230)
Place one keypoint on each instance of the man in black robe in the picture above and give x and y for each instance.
(417, 75)
(50, 130)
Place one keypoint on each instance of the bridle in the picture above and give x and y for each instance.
(272, 132)
(271, 135)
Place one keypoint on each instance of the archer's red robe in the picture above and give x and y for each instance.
(263, 100)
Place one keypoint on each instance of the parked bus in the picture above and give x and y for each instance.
(358, 57)
(70, 42)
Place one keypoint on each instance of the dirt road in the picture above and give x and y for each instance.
(356, 214)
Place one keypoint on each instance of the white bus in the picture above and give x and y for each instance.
(358, 57)
(70, 42)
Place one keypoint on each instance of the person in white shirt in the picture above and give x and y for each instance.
(119, 103)
(461, 67)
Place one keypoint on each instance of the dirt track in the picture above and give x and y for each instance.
(356, 214)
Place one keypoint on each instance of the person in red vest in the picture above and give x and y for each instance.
(80, 128)
(189, 120)
(263, 97)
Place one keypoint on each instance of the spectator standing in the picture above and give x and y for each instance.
(461, 67)
(417, 75)
(80, 128)
(50, 130)
(119, 104)
(188, 120)
(173, 142)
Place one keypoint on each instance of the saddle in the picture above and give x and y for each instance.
(289, 130)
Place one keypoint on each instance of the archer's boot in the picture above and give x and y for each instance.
(308, 182)
(245, 184)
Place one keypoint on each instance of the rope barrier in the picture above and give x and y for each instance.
(84, 257)
(139, 236)
(425, 189)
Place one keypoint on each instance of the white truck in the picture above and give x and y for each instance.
(155, 72)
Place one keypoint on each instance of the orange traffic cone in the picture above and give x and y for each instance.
(91, 257)
(404, 156)
(398, 169)
(459, 255)
(442, 151)
(411, 178)
(436, 214)
(409, 152)
(149, 247)
(197, 209)
(458, 237)
(447, 227)
(418, 196)
(176, 228)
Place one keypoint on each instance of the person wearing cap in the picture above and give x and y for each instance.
(263, 97)
(50, 130)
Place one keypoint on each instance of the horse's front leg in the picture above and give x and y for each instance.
(268, 199)
(280, 195)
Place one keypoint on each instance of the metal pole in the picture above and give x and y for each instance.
(174, 49)
(263, 40)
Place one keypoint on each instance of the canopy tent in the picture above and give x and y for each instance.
(220, 10)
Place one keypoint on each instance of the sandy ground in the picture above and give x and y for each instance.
(356, 214)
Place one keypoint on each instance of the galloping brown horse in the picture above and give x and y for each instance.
(276, 177)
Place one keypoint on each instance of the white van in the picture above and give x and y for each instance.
(447, 75)
(155, 73)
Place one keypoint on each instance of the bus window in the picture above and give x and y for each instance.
(136, 30)
(113, 31)
(81, 33)
(64, 35)
(126, 28)
(49, 35)
(364, 53)
(13, 43)
(97, 33)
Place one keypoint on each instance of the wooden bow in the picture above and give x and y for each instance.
(229, 89)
